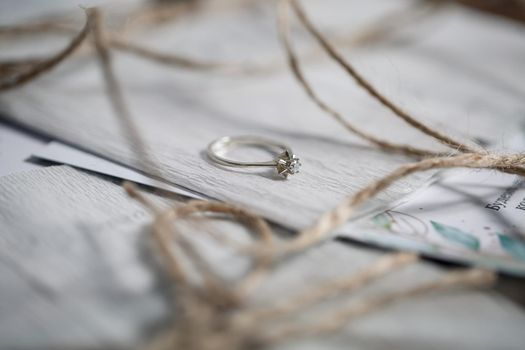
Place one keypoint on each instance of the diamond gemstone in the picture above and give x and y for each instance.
(294, 165)
(288, 164)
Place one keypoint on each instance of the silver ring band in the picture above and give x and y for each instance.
(286, 162)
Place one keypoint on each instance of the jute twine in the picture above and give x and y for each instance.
(378, 31)
(213, 313)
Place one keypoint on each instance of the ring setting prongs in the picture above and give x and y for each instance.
(287, 164)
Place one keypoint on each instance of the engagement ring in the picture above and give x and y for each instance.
(286, 163)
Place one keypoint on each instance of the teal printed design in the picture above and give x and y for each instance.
(382, 220)
(456, 235)
(515, 247)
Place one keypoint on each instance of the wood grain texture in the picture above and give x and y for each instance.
(76, 271)
(71, 269)
(180, 112)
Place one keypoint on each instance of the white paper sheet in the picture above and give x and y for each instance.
(16, 148)
(64, 154)
(474, 217)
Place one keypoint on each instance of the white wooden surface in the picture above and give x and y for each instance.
(180, 112)
(76, 271)
(72, 269)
